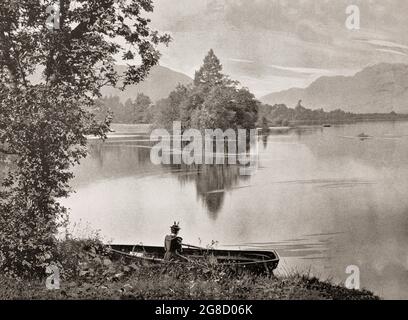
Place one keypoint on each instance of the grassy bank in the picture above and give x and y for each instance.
(91, 273)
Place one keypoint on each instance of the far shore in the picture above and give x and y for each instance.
(145, 127)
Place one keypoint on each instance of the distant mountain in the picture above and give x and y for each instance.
(158, 84)
(381, 88)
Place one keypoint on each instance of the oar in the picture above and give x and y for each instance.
(191, 246)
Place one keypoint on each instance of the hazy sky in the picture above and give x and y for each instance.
(271, 45)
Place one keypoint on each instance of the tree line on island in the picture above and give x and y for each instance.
(280, 115)
(213, 100)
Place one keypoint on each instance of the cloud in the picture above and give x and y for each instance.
(389, 44)
(315, 71)
(384, 43)
(240, 60)
(291, 39)
(392, 52)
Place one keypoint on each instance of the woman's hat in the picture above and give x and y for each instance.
(175, 226)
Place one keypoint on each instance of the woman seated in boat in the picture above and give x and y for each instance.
(172, 243)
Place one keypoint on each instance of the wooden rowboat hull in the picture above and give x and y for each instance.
(263, 261)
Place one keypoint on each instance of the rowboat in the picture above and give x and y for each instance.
(258, 261)
(363, 136)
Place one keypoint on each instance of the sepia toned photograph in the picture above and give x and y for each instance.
(203, 150)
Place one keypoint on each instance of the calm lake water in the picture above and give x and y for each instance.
(321, 197)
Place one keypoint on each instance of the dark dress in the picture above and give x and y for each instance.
(172, 245)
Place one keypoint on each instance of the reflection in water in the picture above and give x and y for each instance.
(211, 181)
(133, 155)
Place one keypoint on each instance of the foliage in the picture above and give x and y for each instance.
(44, 122)
(213, 101)
(142, 112)
(168, 110)
(209, 74)
(139, 110)
(281, 115)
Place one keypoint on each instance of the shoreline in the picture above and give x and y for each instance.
(89, 271)
(308, 124)
(144, 128)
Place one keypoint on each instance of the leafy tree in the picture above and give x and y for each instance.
(43, 124)
(111, 106)
(280, 114)
(141, 109)
(170, 109)
(125, 112)
(265, 125)
(219, 105)
(209, 74)
(214, 101)
(138, 111)
(246, 108)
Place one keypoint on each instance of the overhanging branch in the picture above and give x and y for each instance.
(84, 27)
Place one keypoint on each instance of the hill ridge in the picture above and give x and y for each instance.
(379, 88)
